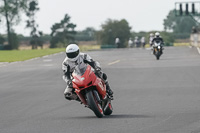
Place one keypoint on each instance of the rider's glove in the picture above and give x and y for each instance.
(98, 71)
(69, 84)
(85, 61)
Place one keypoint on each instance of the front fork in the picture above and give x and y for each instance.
(104, 102)
(157, 49)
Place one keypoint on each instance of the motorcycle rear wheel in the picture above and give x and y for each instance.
(93, 104)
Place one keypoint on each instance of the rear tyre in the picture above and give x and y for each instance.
(94, 105)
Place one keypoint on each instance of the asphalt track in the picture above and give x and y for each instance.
(150, 96)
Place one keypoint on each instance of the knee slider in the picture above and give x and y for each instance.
(69, 94)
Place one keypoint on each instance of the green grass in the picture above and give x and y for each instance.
(181, 44)
(21, 55)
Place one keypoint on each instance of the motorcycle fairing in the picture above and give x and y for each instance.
(88, 80)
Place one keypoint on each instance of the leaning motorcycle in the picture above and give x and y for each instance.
(157, 49)
(91, 91)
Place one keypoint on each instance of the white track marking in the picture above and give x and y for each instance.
(198, 49)
(48, 65)
(148, 48)
(46, 56)
(47, 60)
(117, 61)
(2, 65)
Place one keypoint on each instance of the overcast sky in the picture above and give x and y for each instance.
(142, 15)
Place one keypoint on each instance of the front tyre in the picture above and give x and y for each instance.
(108, 109)
(93, 104)
(158, 56)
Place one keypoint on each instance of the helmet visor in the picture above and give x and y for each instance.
(73, 54)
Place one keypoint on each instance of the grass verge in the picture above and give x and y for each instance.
(21, 55)
(181, 44)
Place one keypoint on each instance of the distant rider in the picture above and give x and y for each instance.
(151, 37)
(74, 58)
(130, 43)
(143, 42)
(137, 42)
(157, 39)
(117, 42)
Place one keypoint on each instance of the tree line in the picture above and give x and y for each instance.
(63, 32)
(10, 12)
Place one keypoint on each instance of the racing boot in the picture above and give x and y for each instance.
(108, 90)
(70, 94)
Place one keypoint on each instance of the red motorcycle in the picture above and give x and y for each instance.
(91, 91)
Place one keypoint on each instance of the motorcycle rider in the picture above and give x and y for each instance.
(117, 42)
(74, 58)
(137, 42)
(150, 39)
(143, 42)
(130, 43)
(158, 38)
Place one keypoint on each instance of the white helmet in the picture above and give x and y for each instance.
(157, 34)
(72, 52)
(151, 34)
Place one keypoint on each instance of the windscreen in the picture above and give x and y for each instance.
(157, 41)
(80, 70)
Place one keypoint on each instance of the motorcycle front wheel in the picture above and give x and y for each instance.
(93, 104)
(158, 56)
(108, 109)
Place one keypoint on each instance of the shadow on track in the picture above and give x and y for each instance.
(115, 116)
